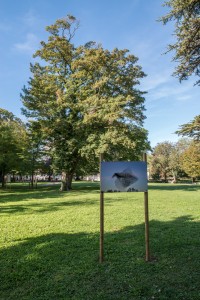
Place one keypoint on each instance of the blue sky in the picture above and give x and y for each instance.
(130, 24)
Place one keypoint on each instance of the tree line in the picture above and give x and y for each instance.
(24, 152)
(178, 159)
(175, 161)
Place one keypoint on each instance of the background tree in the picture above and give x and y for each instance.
(12, 141)
(153, 167)
(191, 160)
(190, 157)
(175, 162)
(160, 161)
(33, 152)
(85, 101)
(191, 129)
(186, 15)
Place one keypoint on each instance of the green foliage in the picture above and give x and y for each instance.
(186, 15)
(12, 141)
(34, 154)
(175, 159)
(160, 160)
(191, 160)
(191, 129)
(49, 244)
(85, 100)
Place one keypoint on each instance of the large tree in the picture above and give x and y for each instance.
(186, 14)
(86, 101)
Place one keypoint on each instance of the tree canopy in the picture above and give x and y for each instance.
(160, 160)
(85, 100)
(180, 159)
(11, 146)
(191, 129)
(191, 160)
(186, 15)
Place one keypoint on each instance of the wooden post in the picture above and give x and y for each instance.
(101, 253)
(146, 211)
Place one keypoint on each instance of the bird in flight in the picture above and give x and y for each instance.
(124, 179)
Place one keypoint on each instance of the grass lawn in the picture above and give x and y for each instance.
(49, 244)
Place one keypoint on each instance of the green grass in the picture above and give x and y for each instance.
(49, 244)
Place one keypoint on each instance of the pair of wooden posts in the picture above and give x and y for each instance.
(146, 215)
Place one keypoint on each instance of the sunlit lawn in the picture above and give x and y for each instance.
(50, 243)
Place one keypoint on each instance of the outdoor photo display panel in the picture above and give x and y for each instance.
(124, 176)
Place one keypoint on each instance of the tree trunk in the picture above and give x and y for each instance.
(174, 177)
(165, 177)
(66, 182)
(20, 177)
(13, 177)
(3, 184)
(32, 179)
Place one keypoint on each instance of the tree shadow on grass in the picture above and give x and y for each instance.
(14, 202)
(86, 186)
(65, 266)
(45, 191)
(13, 205)
(174, 187)
(40, 207)
(13, 195)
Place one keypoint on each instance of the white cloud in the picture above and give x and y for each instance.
(29, 45)
(172, 90)
(184, 98)
(152, 81)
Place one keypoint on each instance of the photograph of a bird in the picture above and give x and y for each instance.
(124, 179)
